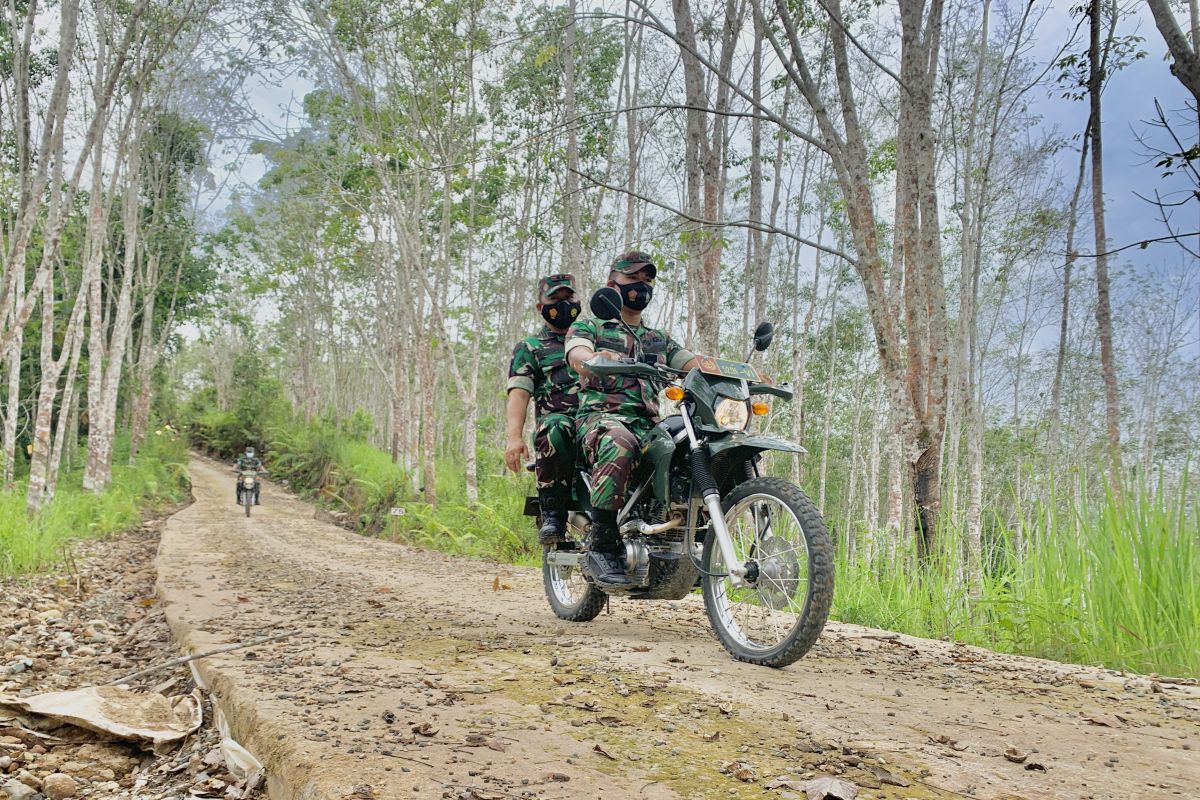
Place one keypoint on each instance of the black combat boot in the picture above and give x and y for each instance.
(554, 517)
(604, 559)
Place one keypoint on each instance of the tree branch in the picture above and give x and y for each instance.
(748, 224)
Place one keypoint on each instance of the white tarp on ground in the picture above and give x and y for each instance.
(145, 718)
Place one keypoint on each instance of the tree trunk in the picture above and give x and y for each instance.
(571, 231)
(1108, 369)
(1065, 316)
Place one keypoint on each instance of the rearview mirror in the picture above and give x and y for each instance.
(763, 335)
(606, 303)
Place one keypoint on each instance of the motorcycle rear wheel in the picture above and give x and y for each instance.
(774, 621)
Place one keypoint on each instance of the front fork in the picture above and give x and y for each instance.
(712, 502)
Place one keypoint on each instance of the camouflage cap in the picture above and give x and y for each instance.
(552, 283)
(634, 261)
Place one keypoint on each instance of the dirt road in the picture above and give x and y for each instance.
(416, 675)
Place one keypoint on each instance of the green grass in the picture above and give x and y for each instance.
(1112, 583)
(157, 479)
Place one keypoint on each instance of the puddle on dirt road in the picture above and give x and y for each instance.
(643, 727)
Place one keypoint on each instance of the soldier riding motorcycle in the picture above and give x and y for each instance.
(696, 507)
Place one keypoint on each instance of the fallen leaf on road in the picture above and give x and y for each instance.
(557, 777)
(885, 776)
(783, 782)
(603, 752)
(496, 584)
(740, 770)
(1104, 720)
(1034, 766)
(830, 789)
(1015, 756)
(726, 709)
(712, 737)
(425, 729)
(640, 648)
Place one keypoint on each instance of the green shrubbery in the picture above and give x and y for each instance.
(331, 463)
(156, 479)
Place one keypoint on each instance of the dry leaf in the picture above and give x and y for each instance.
(603, 752)
(640, 648)
(1015, 756)
(830, 789)
(1104, 720)
(712, 737)
(1034, 766)
(496, 584)
(740, 770)
(884, 776)
(783, 782)
(557, 777)
(425, 729)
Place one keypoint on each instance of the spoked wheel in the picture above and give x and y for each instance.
(569, 593)
(776, 616)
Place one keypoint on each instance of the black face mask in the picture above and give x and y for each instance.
(561, 314)
(636, 296)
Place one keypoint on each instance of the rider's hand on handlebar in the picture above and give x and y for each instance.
(609, 354)
(515, 454)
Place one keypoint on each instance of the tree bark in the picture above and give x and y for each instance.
(1112, 404)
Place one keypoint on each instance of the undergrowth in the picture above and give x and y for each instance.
(157, 479)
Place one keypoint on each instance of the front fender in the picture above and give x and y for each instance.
(753, 442)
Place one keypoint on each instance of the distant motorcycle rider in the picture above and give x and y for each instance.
(616, 412)
(247, 461)
(539, 370)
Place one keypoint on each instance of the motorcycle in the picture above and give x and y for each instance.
(700, 512)
(248, 488)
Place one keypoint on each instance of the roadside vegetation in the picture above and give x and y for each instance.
(156, 480)
(1091, 581)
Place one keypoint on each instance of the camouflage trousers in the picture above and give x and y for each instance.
(554, 445)
(610, 444)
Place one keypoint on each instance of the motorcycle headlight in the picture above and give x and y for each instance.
(733, 415)
(248, 482)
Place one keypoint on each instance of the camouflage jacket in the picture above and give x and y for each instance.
(249, 462)
(539, 366)
(622, 395)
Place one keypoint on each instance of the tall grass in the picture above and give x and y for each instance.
(156, 479)
(1113, 583)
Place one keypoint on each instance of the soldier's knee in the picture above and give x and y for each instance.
(622, 438)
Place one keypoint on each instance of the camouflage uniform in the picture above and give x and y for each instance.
(539, 366)
(245, 462)
(617, 411)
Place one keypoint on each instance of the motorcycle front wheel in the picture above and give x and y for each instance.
(778, 613)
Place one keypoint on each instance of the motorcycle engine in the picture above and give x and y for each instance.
(637, 561)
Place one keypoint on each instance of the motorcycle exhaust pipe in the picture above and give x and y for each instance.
(646, 529)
